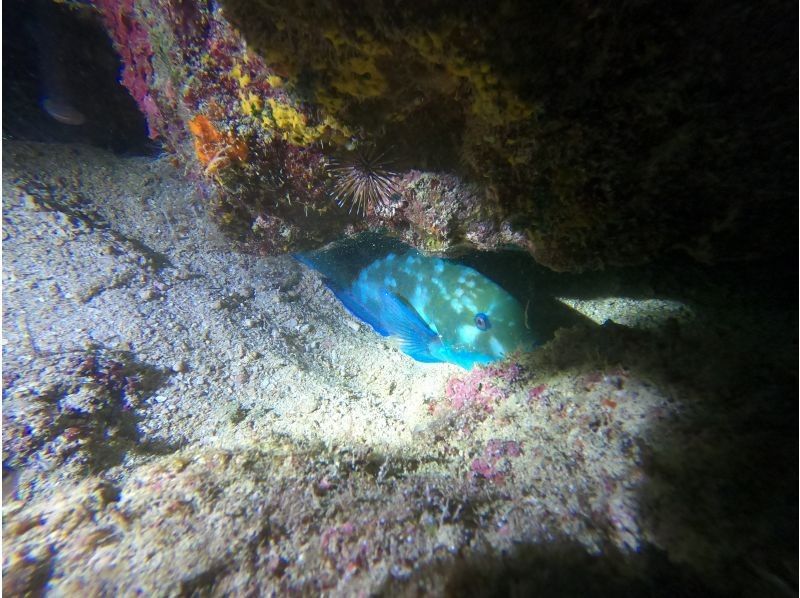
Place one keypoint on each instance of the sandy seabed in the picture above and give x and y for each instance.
(180, 418)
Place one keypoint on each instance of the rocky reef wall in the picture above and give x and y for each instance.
(588, 134)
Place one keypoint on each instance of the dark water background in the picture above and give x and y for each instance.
(46, 44)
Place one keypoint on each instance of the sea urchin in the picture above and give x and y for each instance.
(363, 179)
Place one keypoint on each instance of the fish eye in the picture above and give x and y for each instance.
(482, 321)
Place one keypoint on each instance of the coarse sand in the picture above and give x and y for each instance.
(183, 418)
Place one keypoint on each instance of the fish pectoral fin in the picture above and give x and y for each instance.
(359, 311)
(407, 327)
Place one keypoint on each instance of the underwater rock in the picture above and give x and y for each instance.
(588, 136)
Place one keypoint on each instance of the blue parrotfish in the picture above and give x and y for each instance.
(435, 309)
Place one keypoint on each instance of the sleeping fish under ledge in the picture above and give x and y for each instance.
(436, 310)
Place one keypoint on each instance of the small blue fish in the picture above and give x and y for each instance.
(437, 310)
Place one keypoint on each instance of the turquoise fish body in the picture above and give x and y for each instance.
(437, 310)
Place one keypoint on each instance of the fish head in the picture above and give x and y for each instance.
(477, 320)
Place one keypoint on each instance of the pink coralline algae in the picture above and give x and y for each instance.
(494, 464)
(483, 387)
(536, 391)
(133, 44)
(510, 373)
(476, 388)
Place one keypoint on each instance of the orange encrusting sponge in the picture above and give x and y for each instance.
(214, 149)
